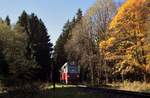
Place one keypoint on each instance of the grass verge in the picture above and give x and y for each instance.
(131, 86)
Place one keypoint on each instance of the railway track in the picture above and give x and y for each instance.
(113, 93)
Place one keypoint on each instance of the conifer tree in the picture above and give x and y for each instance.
(79, 14)
(7, 20)
(39, 45)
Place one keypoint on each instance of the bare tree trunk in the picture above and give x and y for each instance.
(92, 74)
(144, 77)
(122, 77)
(98, 74)
(106, 76)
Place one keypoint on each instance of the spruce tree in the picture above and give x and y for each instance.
(60, 54)
(24, 22)
(39, 45)
(7, 20)
(79, 14)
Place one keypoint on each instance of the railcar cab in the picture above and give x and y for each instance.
(69, 73)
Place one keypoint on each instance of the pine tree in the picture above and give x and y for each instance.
(42, 48)
(7, 20)
(24, 22)
(79, 14)
(60, 56)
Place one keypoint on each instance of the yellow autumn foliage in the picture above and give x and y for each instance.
(129, 38)
(108, 43)
(130, 10)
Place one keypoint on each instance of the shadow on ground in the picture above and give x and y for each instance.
(59, 93)
(71, 92)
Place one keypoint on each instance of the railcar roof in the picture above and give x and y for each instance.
(64, 65)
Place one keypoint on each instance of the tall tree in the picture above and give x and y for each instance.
(24, 22)
(39, 46)
(79, 15)
(7, 20)
(4, 70)
(85, 36)
(60, 55)
(127, 47)
(21, 69)
(99, 17)
(3, 63)
(13, 63)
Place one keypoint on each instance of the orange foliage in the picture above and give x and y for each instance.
(108, 43)
(129, 13)
(130, 32)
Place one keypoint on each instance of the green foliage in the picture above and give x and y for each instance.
(60, 54)
(79, 39)
(38, 43)
(14, 64)
(25, 51)
(3, 62)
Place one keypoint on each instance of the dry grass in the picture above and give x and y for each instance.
(132, 86)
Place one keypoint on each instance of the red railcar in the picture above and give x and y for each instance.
(69, 73)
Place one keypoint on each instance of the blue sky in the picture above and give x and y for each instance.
(54, 13)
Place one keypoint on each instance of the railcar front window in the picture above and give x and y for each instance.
(73, 69)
